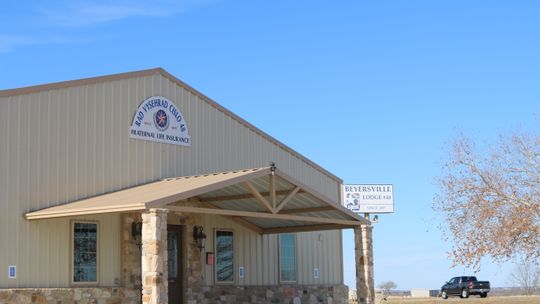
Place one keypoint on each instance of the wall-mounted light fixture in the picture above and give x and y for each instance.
(273, 166)
(136, 233)
(199, 237)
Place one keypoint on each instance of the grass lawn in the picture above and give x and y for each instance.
(470, 300)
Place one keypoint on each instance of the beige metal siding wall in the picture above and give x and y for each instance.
(61, 145)
(259, 255)
(322, 250)
(42, 253)
(220, 143)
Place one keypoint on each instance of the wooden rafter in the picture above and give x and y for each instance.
(247, 224)
(240, 221)
(238, 197)
(258, 196)
(287, 199)
(322, 197)
(306, 210)
(285, 217)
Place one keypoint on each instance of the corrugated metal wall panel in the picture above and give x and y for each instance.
(4, 169)
(320, 249)
(66, 144)
(259, 254)
(43, 253)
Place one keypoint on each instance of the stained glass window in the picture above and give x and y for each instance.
(287, 257)
(85, 252)
(224, 257)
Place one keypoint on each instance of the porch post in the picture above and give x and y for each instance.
(365, 289)
(154, 257)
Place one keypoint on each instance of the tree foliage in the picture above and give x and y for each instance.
(526, 276)
(490, 200)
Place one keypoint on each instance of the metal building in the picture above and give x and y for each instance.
(136, 188)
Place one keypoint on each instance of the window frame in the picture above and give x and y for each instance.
(233, 282)
(295, 258)
(72, 252)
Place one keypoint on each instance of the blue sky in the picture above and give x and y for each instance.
(371, 90)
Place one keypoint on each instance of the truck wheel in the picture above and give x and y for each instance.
(464, 294)
(444, 295)
(483, 295)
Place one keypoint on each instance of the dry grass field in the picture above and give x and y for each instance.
(471, 300)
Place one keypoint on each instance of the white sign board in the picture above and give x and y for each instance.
(12, 272)
(369, 198)
(158, 119)
(241, 272)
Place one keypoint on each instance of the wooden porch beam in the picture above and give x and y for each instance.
(305, 228)
(258, 196)
(285, 217)
(287, 199)
(273, 191)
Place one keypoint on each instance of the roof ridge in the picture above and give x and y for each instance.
(79, 82)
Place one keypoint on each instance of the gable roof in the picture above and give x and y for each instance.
(162, 72)
(288, 205)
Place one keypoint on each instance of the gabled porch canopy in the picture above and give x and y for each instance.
(265, 200)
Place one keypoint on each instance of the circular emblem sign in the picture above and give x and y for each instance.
(158, 119)
(161, 120)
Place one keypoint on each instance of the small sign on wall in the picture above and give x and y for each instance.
(209, 258)
(315, 273)
(241, 272)
(12, 271)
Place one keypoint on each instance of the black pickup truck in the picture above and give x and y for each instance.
(465, 286)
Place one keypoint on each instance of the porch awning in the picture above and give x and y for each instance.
(265, 200)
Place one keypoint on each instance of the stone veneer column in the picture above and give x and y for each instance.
(131, 260)
(154, 257)
(365, 288)
(194, 264)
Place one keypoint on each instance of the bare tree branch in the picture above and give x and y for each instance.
(526, 276)
(490, 202)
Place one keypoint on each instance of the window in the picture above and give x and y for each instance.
(224, 256)
(287, 258)
(85, 246)
(172, 254)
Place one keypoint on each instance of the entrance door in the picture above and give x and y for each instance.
(174, 261)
